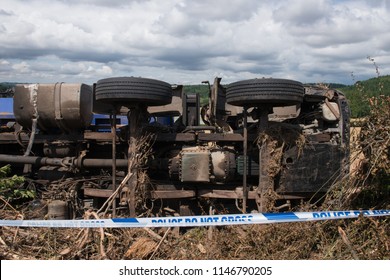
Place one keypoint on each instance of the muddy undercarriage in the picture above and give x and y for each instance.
(136, 146)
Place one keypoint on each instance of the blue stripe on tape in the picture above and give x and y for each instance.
(125, 220)
(281, 216)
(190, 221)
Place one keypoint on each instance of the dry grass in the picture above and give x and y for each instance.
(363, 238)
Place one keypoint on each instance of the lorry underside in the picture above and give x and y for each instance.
(134, 145)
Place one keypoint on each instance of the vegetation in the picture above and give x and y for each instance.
(374, 143)
(10, 187)
(360, 93)
(6, 89)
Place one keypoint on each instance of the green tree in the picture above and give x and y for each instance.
(360, 93)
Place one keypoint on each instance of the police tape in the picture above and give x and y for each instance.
(197, 221)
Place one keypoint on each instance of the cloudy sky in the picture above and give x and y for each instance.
(186, 42)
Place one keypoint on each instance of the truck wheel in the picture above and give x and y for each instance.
(125, 90)
(274, 92)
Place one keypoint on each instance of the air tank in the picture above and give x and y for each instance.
(58, 107)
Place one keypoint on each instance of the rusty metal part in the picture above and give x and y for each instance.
(106, 193)
(265, 182)
(203, 164)
(324, 161)
(245, 165)
(172, 192)
(175, 137)
(331, 111)
(175, 108)
(160, 137)
(113, 145)
(57, 210)
(174, 167)
(53, 173)
(65, 162)
(191, 107)
(194, 165)
(59, 149)
(223, 165)
(67, 107)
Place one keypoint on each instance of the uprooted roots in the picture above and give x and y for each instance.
(273, 142)
(279, 138)
(141, 152)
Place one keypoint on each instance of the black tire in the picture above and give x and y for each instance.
(132, 90)
(274, 92)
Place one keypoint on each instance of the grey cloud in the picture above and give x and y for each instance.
(103, 3)
(26, 53)
(375, 3)
(258, 57)
(178, 24)
(303, 12)
(31, 53)
(323, 25)
(5, 13)
(202, 17)
(85, 55)
(229, 10)
(268, 69)
(184, 59)
(5, 66)
(319, 39)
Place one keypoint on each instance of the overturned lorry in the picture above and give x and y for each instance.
(145, 145)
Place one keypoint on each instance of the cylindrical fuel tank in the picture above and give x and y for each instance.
(67, 107)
